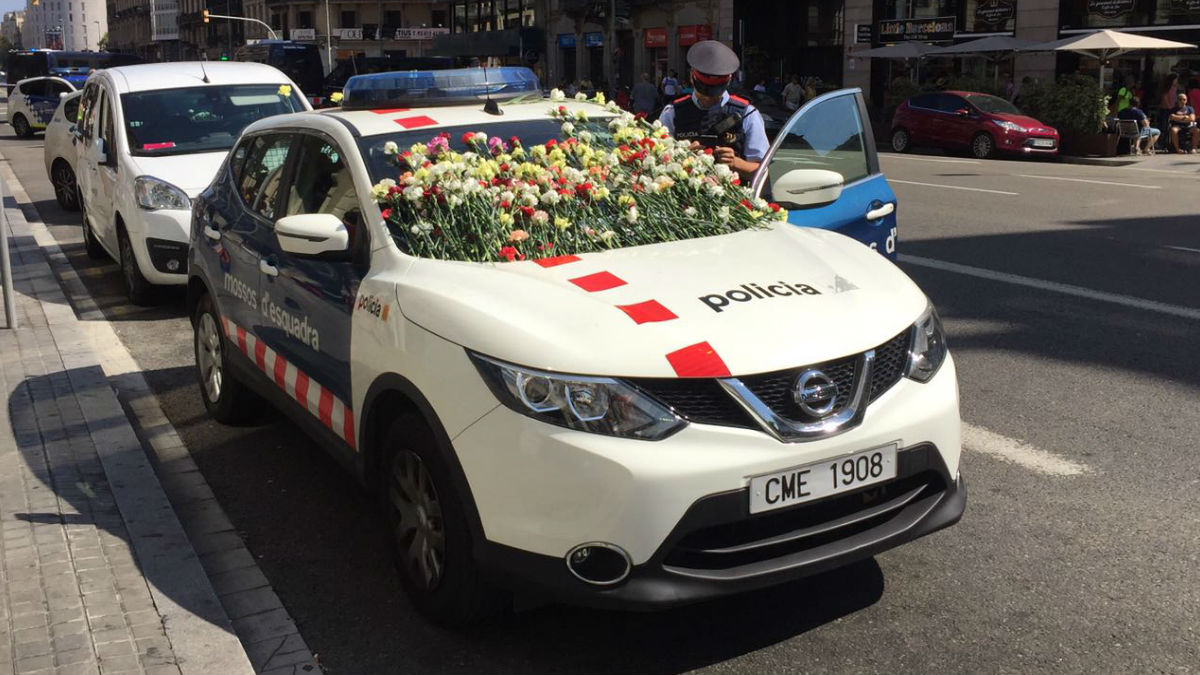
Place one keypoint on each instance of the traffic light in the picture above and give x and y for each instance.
(204, 14)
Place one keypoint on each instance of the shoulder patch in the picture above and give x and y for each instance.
(738, 99)
(681, 99)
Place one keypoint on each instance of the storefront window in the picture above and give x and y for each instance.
(989, 16)
(1128, 13)
(919, 9)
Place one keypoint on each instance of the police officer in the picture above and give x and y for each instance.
(714, 118)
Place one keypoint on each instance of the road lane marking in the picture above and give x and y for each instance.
(929, 159)
(954, 187)
(1020, 453)
(1183, 248)
(1056, 287)
(1094, 182)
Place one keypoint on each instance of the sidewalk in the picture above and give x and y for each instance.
(96, 572)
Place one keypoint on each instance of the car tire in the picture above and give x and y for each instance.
(429, 534)
(91, 245)
(141, 292)
(226, 398)
(21, 126)
(901, 140)
(66, 189)
(983, 146)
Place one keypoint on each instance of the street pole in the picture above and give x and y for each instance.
(270, 31)
(328, 39)
(10, 306)
(98, 35)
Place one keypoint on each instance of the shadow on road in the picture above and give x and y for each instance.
(1129, 257)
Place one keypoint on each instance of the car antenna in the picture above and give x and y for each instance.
(205, 73)
(490, 107)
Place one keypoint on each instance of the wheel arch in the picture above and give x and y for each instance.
(389, 396)
(197, 287)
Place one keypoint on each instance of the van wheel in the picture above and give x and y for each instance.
(21, 126)
(901, 141)
(982, 146)
(91, 245)
(225, 397)
(141, 292)
(66, 191)
(430, 537)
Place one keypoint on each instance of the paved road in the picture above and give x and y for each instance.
(1080, 384)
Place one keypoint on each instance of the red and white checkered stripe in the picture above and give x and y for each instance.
(319, 401)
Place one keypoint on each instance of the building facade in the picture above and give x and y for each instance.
(10, 29)
(74, 25)
(642, 36)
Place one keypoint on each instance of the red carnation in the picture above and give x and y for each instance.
(509, 253)
(504, 205)
(746, 203)
(468, 138)
(774, 207)
(386, 213)
(514, 141)
(504, 167)
(527, 211)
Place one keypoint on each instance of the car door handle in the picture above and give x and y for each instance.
(881, 211)
(267, 268)
(212, 233)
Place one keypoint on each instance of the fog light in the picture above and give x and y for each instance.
(173, 265)
(599, 563)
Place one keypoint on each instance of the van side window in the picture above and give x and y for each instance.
(262, 173)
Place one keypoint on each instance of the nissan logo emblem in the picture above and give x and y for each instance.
(815, 393)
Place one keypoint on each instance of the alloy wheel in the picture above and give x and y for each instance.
(420, 532)
(65, 189)
(208, 357)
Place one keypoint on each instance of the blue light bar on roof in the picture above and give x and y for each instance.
(414, 88)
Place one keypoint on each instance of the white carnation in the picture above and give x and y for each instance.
(390, 148)
(568, 128)
(557, 95)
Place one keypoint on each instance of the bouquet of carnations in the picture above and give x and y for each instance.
(605, 183)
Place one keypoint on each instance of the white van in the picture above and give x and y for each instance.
(151, 138)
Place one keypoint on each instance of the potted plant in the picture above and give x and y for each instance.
(1076, 106)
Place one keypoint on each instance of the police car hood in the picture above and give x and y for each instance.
(191, 172)
(748, 302)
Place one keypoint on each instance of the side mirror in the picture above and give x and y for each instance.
(63, 94)
(98, 149)
(312, 234)
(807, 188)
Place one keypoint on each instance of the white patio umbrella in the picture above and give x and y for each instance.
(1107, 44)
(995, 48)
(904, 50)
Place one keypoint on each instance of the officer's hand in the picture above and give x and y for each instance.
(696, 147)
(724, 155)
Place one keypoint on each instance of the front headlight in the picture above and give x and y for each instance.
(1011, 126)
(599, 405)
(927, 347)
(153, 194)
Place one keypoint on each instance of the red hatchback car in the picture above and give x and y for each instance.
(982, 123)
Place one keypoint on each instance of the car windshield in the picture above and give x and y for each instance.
(200, 119)
(531, 132)
(993, 104)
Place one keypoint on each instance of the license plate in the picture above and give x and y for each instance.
(822, 479)
(1043, 142)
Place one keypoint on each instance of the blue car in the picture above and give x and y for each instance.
(823, 168)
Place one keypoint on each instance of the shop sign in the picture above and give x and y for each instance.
(593, 39)
(349, 33)
(925, 30)
(995, 14)
(566, 40)
(303, 33)
(421, 33)
(690, 35)
(1185, 6)
(862, 33)
(655, 37)
(1110, 9)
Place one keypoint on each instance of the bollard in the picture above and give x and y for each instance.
(10, 306)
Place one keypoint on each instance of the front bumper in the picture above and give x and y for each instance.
(544, 490)
(1028, 144)
(158, 237)
(717, 550)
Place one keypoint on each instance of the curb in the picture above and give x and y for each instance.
(1099, 161)
(259, 634)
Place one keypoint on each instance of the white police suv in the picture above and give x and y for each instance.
(639, 427)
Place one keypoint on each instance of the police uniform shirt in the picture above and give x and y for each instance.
(752, 126)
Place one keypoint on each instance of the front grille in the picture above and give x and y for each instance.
(704, 401)
(775, 389)
(699, 400)
(772, 535)
(890, 359)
